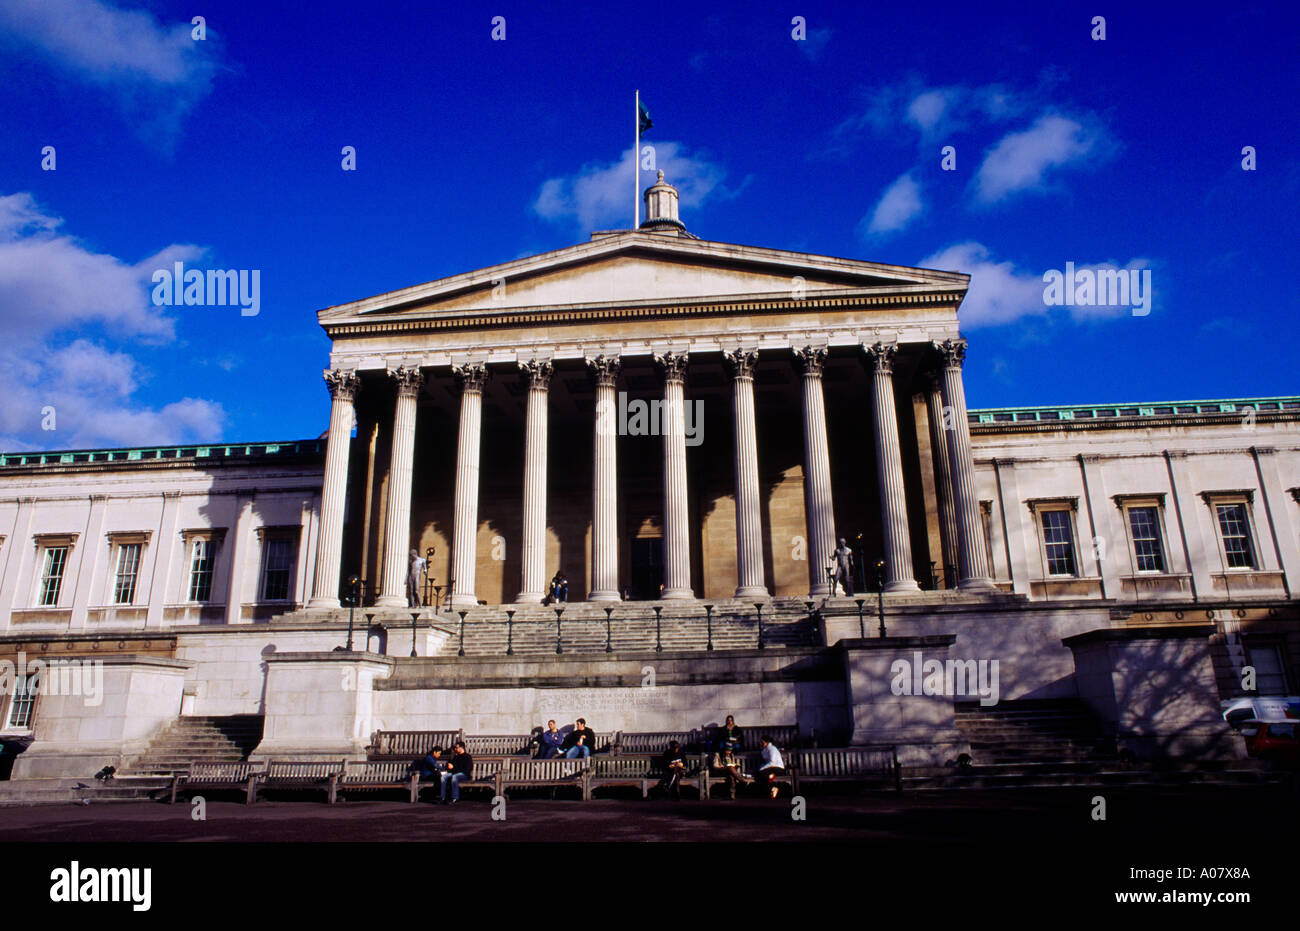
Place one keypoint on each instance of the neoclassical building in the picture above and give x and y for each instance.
(685, 429)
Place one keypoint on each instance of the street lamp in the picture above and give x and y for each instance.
(428, 574)
(880, 593)
(709, 612)
(862, 626)
(559, 648)
(462, 613)
(353, 593)
(415, 616)
(510, 632)
(758, 605)
(609, 630)
(659, 645)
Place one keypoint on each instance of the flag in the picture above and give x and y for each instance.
(646, 122)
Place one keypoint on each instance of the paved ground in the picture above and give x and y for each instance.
(992, 840)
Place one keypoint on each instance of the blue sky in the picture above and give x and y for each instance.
(226, 153)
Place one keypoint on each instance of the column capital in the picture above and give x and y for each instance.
(604, 369)
(472, 375)
(953, 352)
(812, 359)
(408, 380)
(741, 362)
(881, 356)
(672, 365)
(343, 384)
(539, 372)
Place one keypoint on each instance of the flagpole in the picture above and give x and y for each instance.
(636, 180)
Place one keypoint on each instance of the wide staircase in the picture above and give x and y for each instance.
(1033, 730)
(210, 739)
(582, 627)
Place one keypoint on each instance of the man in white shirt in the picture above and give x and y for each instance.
(773, 766)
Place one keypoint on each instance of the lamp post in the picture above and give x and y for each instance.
(758, 605)
(609, 630)
(462, 613)
(428, 575)
(659, 646)
(708, 609)
(415, 616)
(437, 598)
(354, 591)
(559, 648)
(510, 632)
(383, 635)
(880, 593)
(830, 577)
(862, 625)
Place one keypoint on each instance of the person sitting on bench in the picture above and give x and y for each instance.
(773, 764)
(430, 764)
(674, 766)
(580, 742)
(549, 742)
(459, 769)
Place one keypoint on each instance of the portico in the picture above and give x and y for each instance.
(801, 399)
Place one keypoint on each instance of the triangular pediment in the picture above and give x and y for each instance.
(630, 268)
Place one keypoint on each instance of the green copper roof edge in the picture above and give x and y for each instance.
(1089, 407)
(125, 451)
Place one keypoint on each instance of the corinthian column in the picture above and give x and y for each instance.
(677, 540)
(464, 549)
(889, 468)
(972, 559)
(749, 525)
(397, 522)
(604, 518)
(942, 469)
(818, 506)
(533, 575)
(343, 387)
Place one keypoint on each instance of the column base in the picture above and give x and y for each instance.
(677, 594)
(464, 601)
(819, 591)
(977, 585)
(529, 598)
(391, 601)
(752, 591)
(902, 585)
(323, 604)
(604, 595)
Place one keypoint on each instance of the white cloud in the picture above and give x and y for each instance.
(107, 44)
(62, 307)
(598, 195)
(1021, 160)
(157, 71)
(898, 206)
(998, 293)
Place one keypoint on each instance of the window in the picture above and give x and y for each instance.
(1058, 543)
(1234, 529)
(1270, 674)
(277, 565)
(56, 558)
(24, 702)
(202, 554)
(128, 570)
(1148, 546)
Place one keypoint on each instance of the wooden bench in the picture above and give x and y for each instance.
(498, 745)
(218, 776)
(484, 774)
(847, 764)
(655, 741)
(372, 775)
(639, 771)
(554, 773)
(785, 736)
(409, 745)
(750, 763)
(302, 774)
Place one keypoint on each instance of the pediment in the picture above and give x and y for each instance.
(642, 268)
